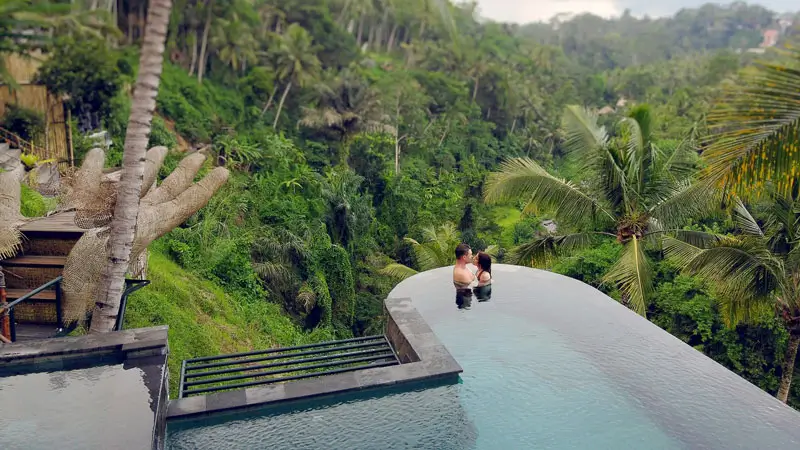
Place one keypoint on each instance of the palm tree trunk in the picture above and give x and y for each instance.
(280, 106)
(475, 89)
(390, 44)
(269, 102)
(126, 211)
(201, 67)
(788, 367)
(193, 64)
(360, 30)
(513, 125)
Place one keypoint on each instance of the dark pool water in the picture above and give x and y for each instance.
(549, 363)
(100, 407)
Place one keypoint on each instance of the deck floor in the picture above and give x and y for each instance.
(31, 332)
(57, 223)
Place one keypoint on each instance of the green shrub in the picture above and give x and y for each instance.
(33, 204)
(25, 123)
(161, 135)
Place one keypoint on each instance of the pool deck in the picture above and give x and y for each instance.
(423, 357)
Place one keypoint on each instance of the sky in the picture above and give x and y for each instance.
(522, 11)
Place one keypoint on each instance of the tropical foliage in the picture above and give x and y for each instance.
(356, 130)
(756, 272)
(632, 189)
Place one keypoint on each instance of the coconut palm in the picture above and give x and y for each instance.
(756, 128)
(633, 191)
(755, 271)
(123, 225)
(347, 106)
(297, 63)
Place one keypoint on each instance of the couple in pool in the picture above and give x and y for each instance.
(467, 282)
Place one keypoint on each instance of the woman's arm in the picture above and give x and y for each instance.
(485, 276)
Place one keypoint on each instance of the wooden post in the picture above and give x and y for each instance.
(5, 319)
(69, 135)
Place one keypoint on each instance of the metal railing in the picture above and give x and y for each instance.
(131, 286)
(238, 370)
(7, 310)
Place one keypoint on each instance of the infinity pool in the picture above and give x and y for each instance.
(549, 362)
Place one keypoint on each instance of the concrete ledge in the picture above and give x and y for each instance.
(423, 358)
(113, 345)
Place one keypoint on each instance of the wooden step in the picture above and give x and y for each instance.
(44, 296)
(32, 332)
(35, 261)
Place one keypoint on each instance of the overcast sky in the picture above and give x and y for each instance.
(523, 11)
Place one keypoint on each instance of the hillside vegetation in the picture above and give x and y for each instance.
(356, 130)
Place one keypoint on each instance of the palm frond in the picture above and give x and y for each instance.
(698, 239)
(398, 271)
(493, 251)
(756, 128)
(743, 271)
(744, 220)
(10, 241)
(306, 298)
(582, 134)
(523, 178)
(684, 202)
(633, 276)
(542, 251)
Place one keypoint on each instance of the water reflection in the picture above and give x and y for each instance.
(464, 298)
(484, 293)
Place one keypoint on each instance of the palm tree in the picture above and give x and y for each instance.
(633, 191)
(756, 129)
(234, 42)
(756, 271)
(347, 106)
(436, 250)
(126, 211)
(296, 61)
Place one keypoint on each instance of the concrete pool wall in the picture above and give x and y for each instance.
(422, 355)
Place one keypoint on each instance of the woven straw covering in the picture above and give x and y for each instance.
(92, 195)
(161, 209)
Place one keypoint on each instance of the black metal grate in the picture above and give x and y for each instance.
(240, 370)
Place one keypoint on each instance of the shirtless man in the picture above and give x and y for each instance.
(462, 276)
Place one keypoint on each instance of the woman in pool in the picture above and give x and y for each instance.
(484, 276)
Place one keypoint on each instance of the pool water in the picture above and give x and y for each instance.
(549, 362)
(105, 406)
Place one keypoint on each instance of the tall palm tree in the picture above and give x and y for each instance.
(756, 128)
(633, 191)
(347, 106)
(126, 211)
(755, 271)
(297, 63)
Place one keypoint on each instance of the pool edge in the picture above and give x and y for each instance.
(423, 358)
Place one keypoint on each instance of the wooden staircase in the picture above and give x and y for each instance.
(46, 244)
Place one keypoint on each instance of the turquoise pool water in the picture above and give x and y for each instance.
(548, 363)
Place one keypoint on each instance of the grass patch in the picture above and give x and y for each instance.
(204, 320)
(33, 204)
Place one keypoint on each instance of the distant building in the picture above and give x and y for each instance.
(622, 102)
(606, 110)
(770, 38)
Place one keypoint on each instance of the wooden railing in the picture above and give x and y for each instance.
(17, 142)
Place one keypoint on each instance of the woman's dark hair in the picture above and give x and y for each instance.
(485, 261)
